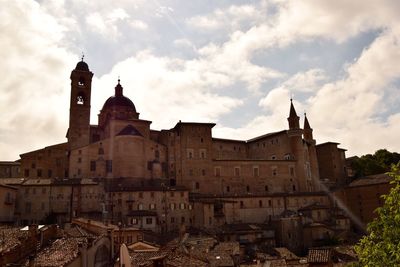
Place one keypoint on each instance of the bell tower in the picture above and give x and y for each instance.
(79, 110)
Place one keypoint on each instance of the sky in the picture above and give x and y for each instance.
(236, 63)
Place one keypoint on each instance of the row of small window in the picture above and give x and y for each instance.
(256, 171)
(190, 153)
(93, 166)
(39, 173)
(264, 144)
(261, 203)
(152, 206)
(149, 220)
(44, 190)
(152, 194)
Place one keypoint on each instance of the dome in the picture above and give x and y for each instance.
(82, 66)
(118, 100)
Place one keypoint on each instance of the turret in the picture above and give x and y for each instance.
(294, 120)
(79, 111)
(308, 135)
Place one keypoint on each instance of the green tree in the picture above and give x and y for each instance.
(381, 247)
(379, 162)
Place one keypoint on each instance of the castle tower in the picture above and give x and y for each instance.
(294, 120)
(296, 144)
(308, 135)
(79, 111)
(312, 156)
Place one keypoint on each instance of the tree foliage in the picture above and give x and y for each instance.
(379, 162)
(381, 247)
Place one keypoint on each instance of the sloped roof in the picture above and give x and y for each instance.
(130, 130)
(382, 178)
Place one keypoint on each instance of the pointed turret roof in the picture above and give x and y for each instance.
(306, 123)
(292, 110)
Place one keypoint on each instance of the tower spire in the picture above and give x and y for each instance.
(307, 129)
(118, 88)
(294, 120)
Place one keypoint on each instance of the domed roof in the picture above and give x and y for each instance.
(118, 100)
(113, 101)
(82, 65)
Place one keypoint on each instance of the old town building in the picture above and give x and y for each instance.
(123, 172)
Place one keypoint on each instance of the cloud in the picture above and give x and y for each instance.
(33, 64)
(186, 95)
(233, 17)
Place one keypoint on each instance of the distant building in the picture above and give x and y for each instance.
(10, 169)
(121, 171)
(123, 145)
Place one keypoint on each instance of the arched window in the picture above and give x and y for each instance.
(80, 99)
(81, 81)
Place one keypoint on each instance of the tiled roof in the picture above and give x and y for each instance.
(10, 238)
(60, 252)
(265, 136)
(286, 253)
(371, 180)
(319, 255)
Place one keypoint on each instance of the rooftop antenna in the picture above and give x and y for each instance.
(83, 56)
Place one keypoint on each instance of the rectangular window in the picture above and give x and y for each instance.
(189, 153)
(172, 219)
(39, 173)
(49, 173)
(203, 153)
(182, 206)
(152, 206)
(237, 171)
(256, 171)
(134, 221)
(26, 172)
(108, 166)
(217, 171)
(292, 171)
(92, 165)
(149, 220)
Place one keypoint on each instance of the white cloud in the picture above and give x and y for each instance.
(33, 64)
(138, 24)
(185, 94)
